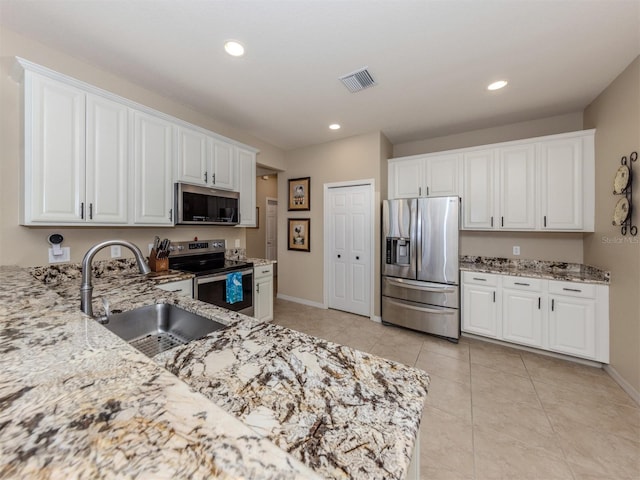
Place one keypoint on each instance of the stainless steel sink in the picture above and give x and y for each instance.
(156, 328)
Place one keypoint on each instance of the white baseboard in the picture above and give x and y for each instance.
(303, 301)
(626, 386)
(376, 318)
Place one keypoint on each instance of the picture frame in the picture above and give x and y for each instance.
(299, 236)
(299, 194)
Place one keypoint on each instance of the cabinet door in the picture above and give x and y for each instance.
(247, 187)
(572, 326)
(54, 152)
(478, 202)
(441, 175)
(193, 157)
(517, 187)
(479, 310)
(223, 164)
(405, 178)
(561, 184)
(152, 156)
(522, 317)
(107, 168)
(264, 299)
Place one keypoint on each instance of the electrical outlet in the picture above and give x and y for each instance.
(516, 250)
(237, 243)
(65, 255)
(116, 251)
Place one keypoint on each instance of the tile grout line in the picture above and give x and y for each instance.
(560, 442)
(473, 426)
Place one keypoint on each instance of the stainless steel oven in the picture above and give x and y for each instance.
(213, 289)
(206, 260)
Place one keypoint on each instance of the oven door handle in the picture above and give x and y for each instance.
(217, 278)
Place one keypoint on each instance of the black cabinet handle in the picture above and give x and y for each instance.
(545, 220)
(492, 221)
(552, 304)
(91, 211)
(494, 297)
(213, 178)
(502, 221)
(538, 303)
(357, 258)
(480, 279)
(205, 177)
(522, 283)
(82, 210)
(572, 290)
(339, 256)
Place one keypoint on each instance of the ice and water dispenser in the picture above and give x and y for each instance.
(398, 251)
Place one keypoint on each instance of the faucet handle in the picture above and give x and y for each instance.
(107, 312)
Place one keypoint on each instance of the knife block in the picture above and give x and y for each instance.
(158, 264)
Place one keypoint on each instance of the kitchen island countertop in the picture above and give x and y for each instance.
(78, 400)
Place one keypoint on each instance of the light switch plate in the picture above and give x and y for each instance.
(65, 256)
(516, 250)
(116, 251)
(237, 243)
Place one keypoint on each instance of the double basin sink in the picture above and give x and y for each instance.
(153, 329)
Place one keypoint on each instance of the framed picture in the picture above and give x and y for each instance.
(299, 234)
(299, 193)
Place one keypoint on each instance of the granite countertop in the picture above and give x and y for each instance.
(261, 262)
(75, 397)
(562, 271)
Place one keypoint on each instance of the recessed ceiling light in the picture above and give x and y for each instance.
(497, 85)
(334, 126)
(233, 48)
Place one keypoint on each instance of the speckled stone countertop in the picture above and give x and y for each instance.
(260, 262)
(570, 272)
(77, 400)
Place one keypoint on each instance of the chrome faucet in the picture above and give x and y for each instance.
(86, 288)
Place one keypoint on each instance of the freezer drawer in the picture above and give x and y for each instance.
(421, 292)
(425, 318)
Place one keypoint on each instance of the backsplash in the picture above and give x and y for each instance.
(235, 254)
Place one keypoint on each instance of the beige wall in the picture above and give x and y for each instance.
(257, 237)
(566, 247)
(28, 246)
(615, 115)
(355, 158)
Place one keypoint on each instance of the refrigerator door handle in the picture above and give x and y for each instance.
(422, 309)
(419, 286)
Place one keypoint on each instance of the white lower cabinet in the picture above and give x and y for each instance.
(565, 317)
(480, 312)
(522, 319)
(263, 293)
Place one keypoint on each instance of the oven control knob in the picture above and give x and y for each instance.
(180, 247)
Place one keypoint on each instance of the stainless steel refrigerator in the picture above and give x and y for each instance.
(420, 277)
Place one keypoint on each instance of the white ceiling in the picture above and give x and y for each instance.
(432, 59)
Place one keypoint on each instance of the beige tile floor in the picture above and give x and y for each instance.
(495, 412)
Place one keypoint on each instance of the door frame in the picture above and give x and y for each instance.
(328, 233)
(266, 239)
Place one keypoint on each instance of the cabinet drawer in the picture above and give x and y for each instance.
(572, 289)
(480, 278)
(181, 287)
(262, 271)
(522, 283)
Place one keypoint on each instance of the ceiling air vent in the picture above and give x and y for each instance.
(358, 80)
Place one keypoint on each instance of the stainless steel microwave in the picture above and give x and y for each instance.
(205, 206)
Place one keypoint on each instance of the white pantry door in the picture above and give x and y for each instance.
(349, 250)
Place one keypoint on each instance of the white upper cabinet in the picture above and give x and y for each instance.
(247, 186)
(441, 175)
(54, 168)
(193, 156)
(76, 159)
(517, 170)
(478, 197)
(205, 160)
(153, 161)
(107, 161)
(537, 184)
(223, 166)
(562, 184)
(433, 175)
(94, 158)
